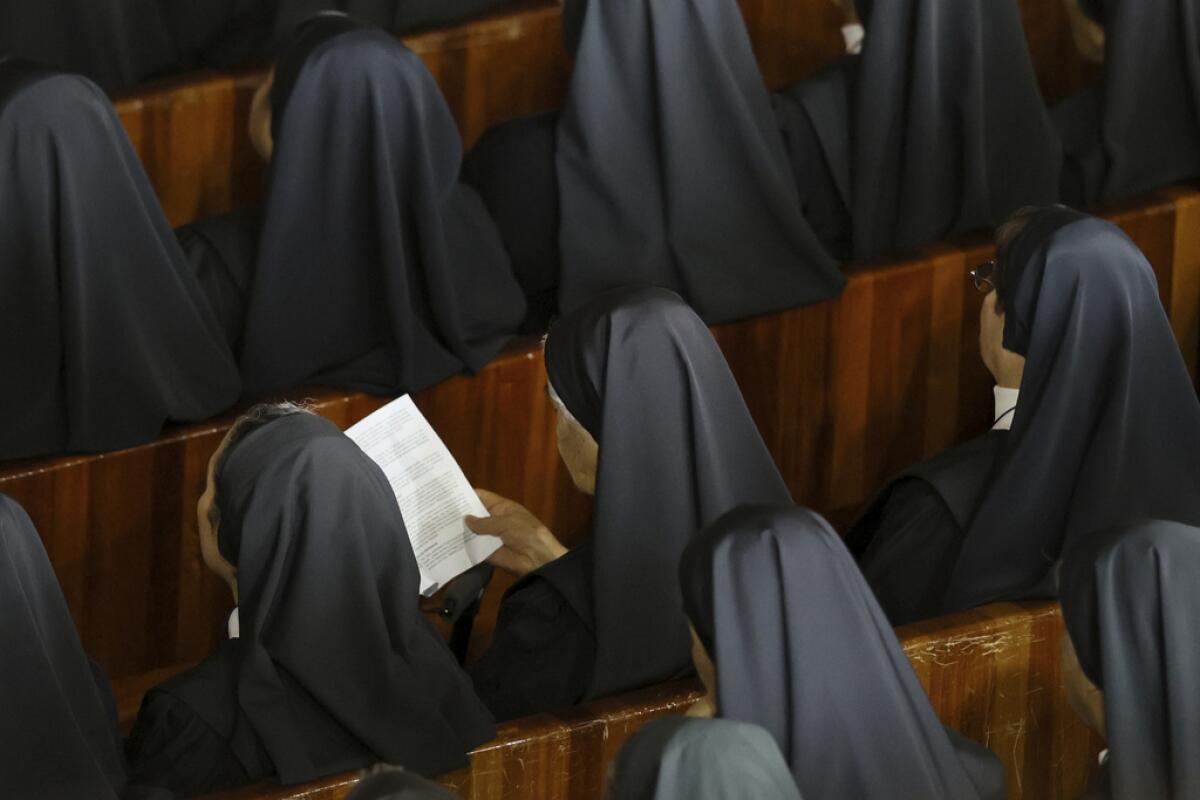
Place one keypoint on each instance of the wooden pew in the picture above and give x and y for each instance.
(845, 393)
(190, 131)
(993, 674)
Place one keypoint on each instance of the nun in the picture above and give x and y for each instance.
(366, 234)
(1139, 127)
(682, 758)
(1131, 601)
(665, 167)
(1096, 425)
(105, 333)
(116, 43)
(937, 128)
(788, 636)
(330, 665)
(652, 424)
(58, 734)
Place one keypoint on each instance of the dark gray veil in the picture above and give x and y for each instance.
(678, 448)
(333, 644)
(1107, 427)
(58, 733)
(105, 333)
(376, 268)
(681, 758)
(802, 648)
(1131, 600)
(1140, 128)
(950, 132)
(671, 167)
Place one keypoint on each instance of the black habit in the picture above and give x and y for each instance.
(665, 167)
(800, 646)
(376, 268)
(105, 333)
(937, 128)
(58, 730)
(641, 372)
(395, 16)
(1131, 601)
(116, 43)
(336, 668)
(671, 168)
(1139, 128)
(1104, 433)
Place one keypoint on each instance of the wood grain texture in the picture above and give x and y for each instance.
(992, 674)
(1061, 70)
(845, 394)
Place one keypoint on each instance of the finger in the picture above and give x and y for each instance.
(492, 526)
(491, 500)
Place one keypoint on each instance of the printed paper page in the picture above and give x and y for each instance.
(432, 491)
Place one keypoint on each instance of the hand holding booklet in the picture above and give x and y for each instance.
(431, 489)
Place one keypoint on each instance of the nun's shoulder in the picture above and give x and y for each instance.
(221, 252)
(529, 136)
(172, 747)
(543, 648)
(176, 746)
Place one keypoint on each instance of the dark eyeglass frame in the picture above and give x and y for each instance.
(982, 276)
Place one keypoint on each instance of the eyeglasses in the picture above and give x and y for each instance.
(981, 276)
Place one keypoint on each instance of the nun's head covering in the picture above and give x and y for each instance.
(1107, 426)
(331, 631)
(951, 132)
(58, 732)
(640, 371)
(396, 783)
(105, 334)
(680, 758)
(310, 34)
(395, 268)
(672, 170)
(1150, 117)
(802, 648)
(1131, 600)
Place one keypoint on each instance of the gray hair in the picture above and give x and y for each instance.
(257, 417)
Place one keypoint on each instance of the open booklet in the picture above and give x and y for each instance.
(432, 491)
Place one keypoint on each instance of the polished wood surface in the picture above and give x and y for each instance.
(845, 393)
(993, 674)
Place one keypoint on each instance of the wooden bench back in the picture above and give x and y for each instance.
(845, 394)
(992, 674)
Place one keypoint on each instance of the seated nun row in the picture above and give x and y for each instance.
(405, 281)
(669, 161)
(813, 694)
(120, 43)
(305, 530)
(110, 328)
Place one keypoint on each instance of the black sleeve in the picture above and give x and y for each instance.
(513, 170)
(541, 654)
(222, 252)
(912, 552)
(171, 748)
